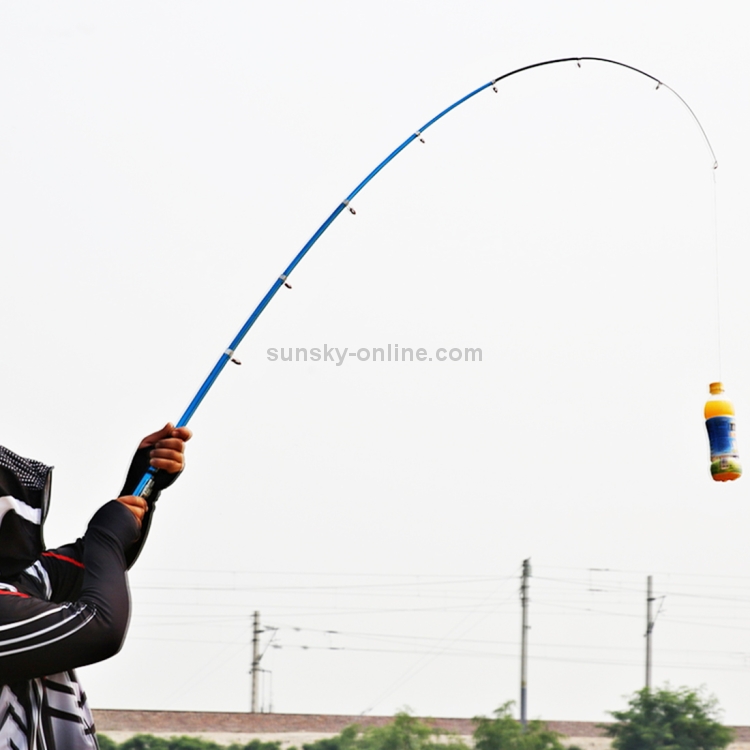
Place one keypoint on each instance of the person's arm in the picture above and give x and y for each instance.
(38, 637)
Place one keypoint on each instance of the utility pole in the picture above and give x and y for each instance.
(525, 575)
(255, 669)
(649, 629)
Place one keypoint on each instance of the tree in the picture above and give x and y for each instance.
(667, 719)
(149, 742)
(403, 733)
(505, 733)
(259, 745)
(344, 740)
(144, 742)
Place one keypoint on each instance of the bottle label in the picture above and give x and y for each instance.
(722, 437)
(727, 467)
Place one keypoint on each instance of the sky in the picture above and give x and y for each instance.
(160, 165)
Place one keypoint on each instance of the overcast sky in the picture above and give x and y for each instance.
(160, 165)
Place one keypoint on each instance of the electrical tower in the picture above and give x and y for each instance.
(525, 575)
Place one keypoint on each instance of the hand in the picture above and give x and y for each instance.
(168, 447)
(136, 505)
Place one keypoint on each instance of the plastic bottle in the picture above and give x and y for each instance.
(721, 427)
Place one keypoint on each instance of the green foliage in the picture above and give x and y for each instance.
(345, 740)
(407, 733)
(144, 742)
(669, 720)
(182, 743)
(257, 745)
(403, 733)
(505, 733)
(149, 742)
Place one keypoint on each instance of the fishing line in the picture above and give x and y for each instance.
(718, 276)
(146, 485)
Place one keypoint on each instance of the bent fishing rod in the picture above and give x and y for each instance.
(146, 484)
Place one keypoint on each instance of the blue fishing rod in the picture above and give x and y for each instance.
(145, 486)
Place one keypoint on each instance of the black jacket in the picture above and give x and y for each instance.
(67, 608)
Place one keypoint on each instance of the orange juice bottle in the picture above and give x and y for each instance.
(722, 429)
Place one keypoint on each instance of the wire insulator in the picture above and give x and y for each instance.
(236, 361)
(287, 285)
(351, 210)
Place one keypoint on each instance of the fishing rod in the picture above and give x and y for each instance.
(146, 485)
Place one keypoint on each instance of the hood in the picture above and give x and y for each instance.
(24, 500)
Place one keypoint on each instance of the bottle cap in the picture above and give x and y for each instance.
(715, 388)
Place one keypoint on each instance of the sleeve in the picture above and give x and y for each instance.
(40, 638)
(138, 467)
(65, 567)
